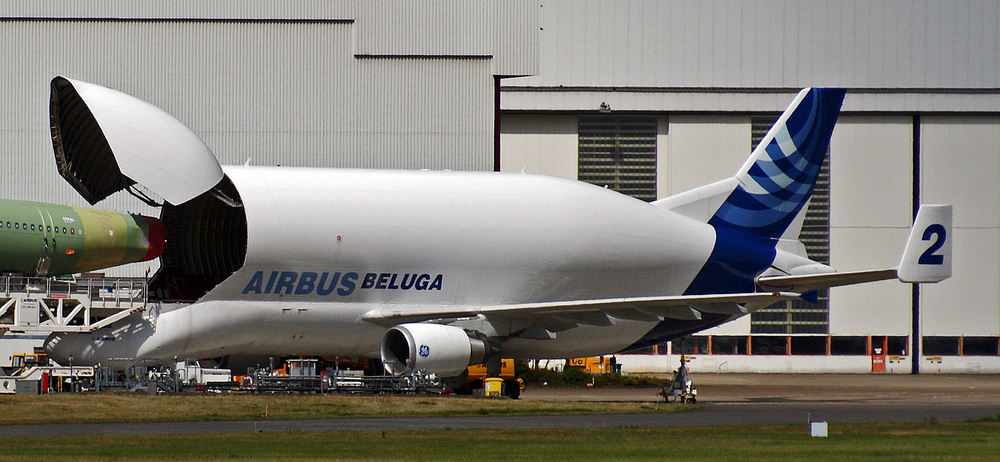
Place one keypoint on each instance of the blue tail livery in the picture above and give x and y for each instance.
(777, 181)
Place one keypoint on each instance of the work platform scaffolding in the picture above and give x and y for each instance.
(42, 305)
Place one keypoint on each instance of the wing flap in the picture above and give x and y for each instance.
(686, 313)
(590, 318)
(634, 315)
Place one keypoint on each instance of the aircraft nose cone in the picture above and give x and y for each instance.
(155, 237)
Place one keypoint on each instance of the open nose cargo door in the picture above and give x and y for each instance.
(106, 141)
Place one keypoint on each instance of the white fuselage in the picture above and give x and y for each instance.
(325, 246)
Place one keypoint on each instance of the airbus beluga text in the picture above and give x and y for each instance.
(436, 271)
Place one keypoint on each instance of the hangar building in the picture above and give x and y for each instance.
(648, 97)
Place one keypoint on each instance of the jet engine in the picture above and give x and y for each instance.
(439, 349)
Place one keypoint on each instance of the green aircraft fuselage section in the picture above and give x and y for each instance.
(48, 239)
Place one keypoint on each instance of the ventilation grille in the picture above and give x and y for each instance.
(619, 152)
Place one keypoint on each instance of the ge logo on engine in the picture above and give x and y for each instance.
(425, 351)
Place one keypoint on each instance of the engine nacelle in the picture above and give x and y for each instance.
(442, 350)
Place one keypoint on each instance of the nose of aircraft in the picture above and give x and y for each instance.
(154, 234)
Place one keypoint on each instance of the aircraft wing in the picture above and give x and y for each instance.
(562, 315)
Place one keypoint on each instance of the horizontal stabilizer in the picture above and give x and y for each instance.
(926, 258)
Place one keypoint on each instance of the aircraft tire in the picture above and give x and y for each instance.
(512, 389)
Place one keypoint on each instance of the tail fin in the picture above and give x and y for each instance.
(927, 256)
(772, 188)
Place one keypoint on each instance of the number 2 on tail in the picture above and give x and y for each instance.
(929, 257)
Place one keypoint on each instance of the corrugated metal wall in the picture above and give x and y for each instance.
(694, 55)
(770, 43)
(339, 84)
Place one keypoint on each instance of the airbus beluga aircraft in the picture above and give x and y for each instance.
(436, 271)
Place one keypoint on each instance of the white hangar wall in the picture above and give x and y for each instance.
(870, 215)
(539, 143)
(703, 56)
(330, 84)
(768, 43)
(960, 164)
(704, 68)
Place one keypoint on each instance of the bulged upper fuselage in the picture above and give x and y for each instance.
(458, 238)
(324, 246)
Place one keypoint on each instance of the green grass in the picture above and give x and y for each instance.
(107, 407)
(914, 441)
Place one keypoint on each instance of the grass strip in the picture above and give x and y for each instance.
(108, 407)
(972, 441)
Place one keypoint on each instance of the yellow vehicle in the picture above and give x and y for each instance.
(475, 377)
(595, 364)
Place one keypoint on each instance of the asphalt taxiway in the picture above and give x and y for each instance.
(724, 399)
